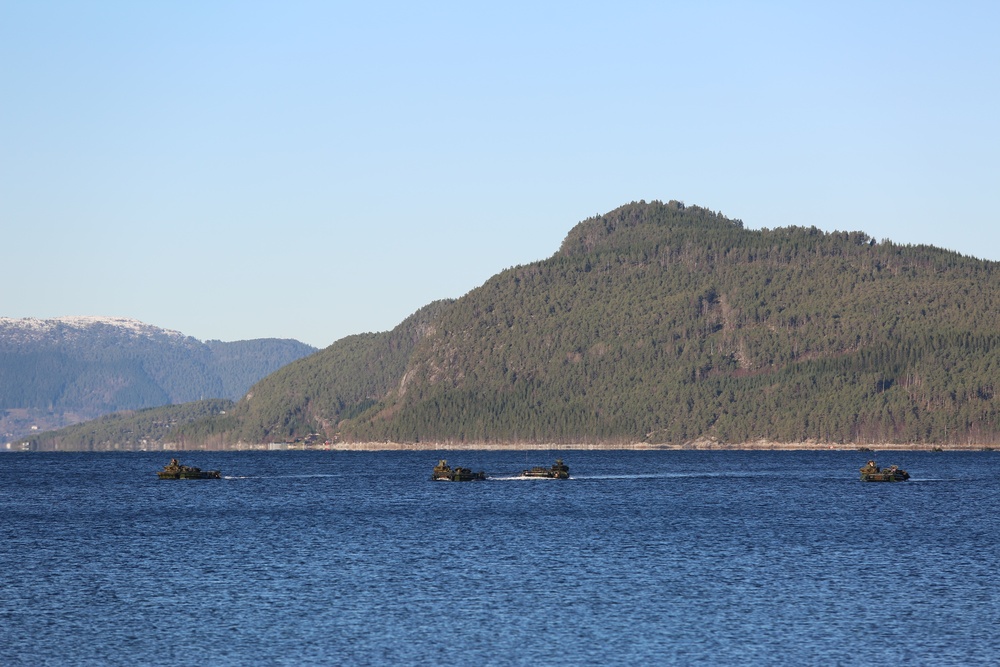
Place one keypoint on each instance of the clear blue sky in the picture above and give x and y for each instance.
(311, 170)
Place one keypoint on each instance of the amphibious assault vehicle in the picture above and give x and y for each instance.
(872, 473)
(174, 470)
(558, 471)
(445, 473)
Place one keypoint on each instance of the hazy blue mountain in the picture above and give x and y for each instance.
(60, 371)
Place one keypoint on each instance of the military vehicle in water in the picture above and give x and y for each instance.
(558, 471)
(445, 473)
(872, 473)
(174, 470)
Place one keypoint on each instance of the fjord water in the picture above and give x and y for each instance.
(356, 558)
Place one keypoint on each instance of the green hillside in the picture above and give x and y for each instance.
(138, 430)
(661, 323)
(313, 395)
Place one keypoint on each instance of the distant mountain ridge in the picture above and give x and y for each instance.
(60, 371)
(657, 324)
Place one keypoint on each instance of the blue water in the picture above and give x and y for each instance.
(334, 558)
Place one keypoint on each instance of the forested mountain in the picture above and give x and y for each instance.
(660, 323)
(61, 371)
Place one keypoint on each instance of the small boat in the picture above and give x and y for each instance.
(445, 473)
(174, 470)
(558, 471)
(872, 473)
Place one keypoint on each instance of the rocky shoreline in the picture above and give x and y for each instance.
(705, 445)
(697, 445)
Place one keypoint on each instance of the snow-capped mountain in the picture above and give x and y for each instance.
(67, 328)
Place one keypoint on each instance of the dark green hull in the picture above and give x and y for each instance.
(898, 476)
(459, 477)
(201, 474)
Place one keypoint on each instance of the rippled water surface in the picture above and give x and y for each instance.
(356, 558)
